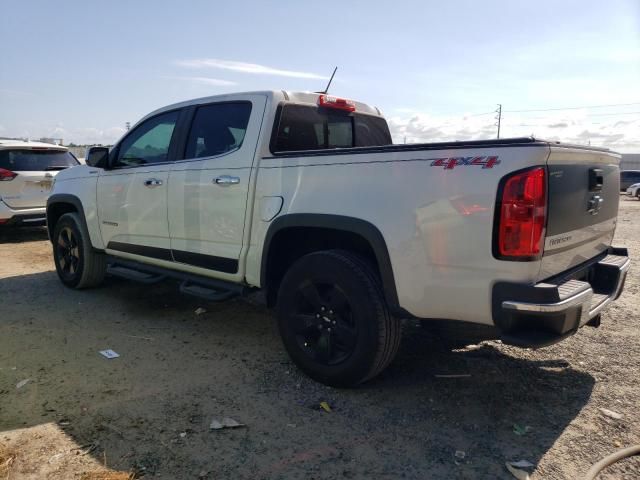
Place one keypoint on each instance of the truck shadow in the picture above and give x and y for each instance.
(150, 409)
(22, 234)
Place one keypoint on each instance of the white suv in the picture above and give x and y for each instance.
(634, 190)
(27, 171)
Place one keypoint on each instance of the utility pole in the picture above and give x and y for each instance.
(498, 118)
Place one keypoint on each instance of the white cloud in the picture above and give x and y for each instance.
(242, 67)
(216, 82)
(617, 132)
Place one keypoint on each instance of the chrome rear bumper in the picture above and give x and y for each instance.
(547, 312)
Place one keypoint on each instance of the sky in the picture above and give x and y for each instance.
(565, 70)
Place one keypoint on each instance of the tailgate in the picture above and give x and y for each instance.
(583, 195)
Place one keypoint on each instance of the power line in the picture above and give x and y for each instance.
(480, 114)
(610, 114)
(603, 114)
(573, 108)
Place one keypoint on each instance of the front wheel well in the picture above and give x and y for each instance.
(290, 244)
(55, 211)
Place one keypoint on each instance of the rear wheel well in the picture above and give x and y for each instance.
(290, 244)
(55, 211)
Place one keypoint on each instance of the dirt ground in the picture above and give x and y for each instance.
(82, 416)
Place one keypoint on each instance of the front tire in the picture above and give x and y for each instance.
(333, 318)
(77, 264)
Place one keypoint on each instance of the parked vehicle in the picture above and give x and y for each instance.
(628, 178)
(634, 190)
(27, 172)
(303, 196)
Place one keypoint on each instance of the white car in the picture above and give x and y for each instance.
(27, 172)
(303, 195)
(634, 190)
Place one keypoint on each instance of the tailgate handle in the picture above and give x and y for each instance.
(595, 179)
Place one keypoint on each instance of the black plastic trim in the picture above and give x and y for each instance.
(507, 142)
(213, 283)
(30, 220)
(210, 262)
(67, 198)
(364, 229)
(142, 250)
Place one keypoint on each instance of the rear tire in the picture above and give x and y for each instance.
(333, 318)
(77, 263)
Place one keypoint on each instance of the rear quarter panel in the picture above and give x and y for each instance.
(437, 222)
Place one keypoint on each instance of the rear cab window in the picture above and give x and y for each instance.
(306, 127)
(36, 160)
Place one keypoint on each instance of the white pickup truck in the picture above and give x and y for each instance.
(304, 196)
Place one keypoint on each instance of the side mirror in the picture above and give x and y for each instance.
(97, 157)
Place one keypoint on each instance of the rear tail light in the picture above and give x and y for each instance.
(7, 175)
(522, 216)
(336, 103)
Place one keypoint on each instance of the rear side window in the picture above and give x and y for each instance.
(36, 160)
(217, 129)
(302, 127)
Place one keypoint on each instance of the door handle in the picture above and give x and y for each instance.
(152, 182)
(225, 180)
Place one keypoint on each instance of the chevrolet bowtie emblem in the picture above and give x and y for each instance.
(595, 204)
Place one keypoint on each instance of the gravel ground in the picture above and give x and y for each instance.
(148, 411)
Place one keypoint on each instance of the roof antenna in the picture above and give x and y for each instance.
(330, 80)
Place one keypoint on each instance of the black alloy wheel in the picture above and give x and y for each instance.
(334, 320)
(323, 322)
(68, 252)
(78, 264)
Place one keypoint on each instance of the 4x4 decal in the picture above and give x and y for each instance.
(452, 162)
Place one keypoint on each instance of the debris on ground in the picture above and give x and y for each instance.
(183, 434)
(150, 339)
(520, 429)
(22, 383)
(325, 406)
(63, 423)
(109, 353)
(225, 423)
(611, 413)
(516, 469)
(86, 449)
(460, 455)
(200, 311)
(107, 476)
(6, 459)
